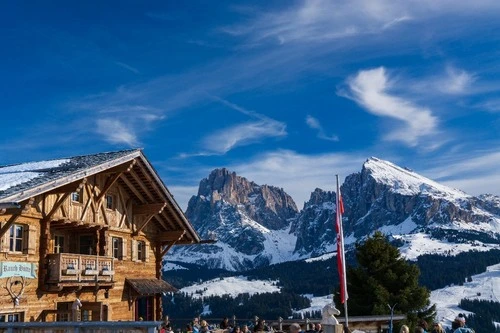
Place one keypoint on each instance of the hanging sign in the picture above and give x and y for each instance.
(24, 269)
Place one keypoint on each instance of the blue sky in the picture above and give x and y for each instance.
(287, 93)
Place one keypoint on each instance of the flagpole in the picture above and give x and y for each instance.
(340, 238)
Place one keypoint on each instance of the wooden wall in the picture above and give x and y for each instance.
(118, 222)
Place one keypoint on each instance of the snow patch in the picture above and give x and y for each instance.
(484, 286)
(322, 257)
(317, 304)
(232, 286)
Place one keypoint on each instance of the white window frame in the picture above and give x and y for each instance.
(58, 248)
(141, 250)
(117, 247)
(13, 238)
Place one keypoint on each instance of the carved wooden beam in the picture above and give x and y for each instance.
(109, 182)
(14, 217)
(132, 188)
(155, 208)
(166, 249)
(57, 205)
(171, 236)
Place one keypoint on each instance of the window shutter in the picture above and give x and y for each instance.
(146, 251)
(133, 250)
(124, 247)
(25, 238)
(32, 239)
(109, 247)
(4, 241)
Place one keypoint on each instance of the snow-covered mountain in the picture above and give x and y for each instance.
(251, 223)
(260, 225)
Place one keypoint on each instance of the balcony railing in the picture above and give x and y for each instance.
(74, 268)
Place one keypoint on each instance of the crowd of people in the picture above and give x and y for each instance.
(201, 326)
(457, 326)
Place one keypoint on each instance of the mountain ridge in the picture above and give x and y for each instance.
(257, 225)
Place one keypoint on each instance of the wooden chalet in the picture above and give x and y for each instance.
(92, 227)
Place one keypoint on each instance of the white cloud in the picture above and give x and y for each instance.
(456, 81)
(299, 174)
(114, 131)
(223, 140)
(315, 124)
(319, 20)
(369, 88)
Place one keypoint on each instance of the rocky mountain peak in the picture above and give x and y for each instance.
(319, 196)
(224, 184)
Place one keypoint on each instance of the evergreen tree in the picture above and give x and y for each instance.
(381, 278)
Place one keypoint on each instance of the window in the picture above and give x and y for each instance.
(109, 201)
(76, 197)
(86, 315)
(117, 248)
(11, 317)
(16, 238)
(58, 244)
(141, 250)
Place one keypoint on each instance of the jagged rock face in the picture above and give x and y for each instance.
(268, 205)
(314, 226)
(242, 216)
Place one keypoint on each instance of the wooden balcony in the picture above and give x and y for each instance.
(79, 270)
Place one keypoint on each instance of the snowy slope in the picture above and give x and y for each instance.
(232, 286)
(484, 286)
(317, 304)
(407, 182)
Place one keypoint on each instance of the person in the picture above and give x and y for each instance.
(318, 328)
(166, 327)
(224, 324)
(419, 329)
(458, 325)
(437, 328)
(295, 328)
(244, 329)
(189, 328)
(204, 327)
(422, 323)
(261, 326)
(404, 329)
(75, 309)
(236, 329)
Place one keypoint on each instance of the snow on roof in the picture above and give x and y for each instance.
(407, 182)
(19, 178)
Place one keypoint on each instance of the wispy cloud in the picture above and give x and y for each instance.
(128, 67)
(222, 141)
(455, 81)
(114, 131)
(315, 124)
(370, 89)
(474, 172)
(225, 139)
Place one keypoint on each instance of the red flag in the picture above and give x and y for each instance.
(340, 249)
